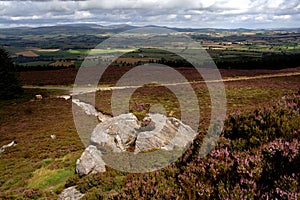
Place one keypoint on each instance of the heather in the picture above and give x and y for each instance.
(256, 157)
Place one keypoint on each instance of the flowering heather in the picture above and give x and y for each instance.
(257, 157)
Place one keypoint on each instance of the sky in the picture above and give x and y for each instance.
(253, 14)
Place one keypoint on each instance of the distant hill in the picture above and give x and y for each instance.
(78, 29)
(81, 29)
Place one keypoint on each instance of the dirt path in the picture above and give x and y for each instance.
(48, 87)
(82, 90)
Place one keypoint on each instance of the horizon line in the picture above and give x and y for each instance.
(141, 26)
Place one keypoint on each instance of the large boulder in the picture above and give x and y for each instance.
(168, 133)
(125, 133)
(116, 134)
(90, 162)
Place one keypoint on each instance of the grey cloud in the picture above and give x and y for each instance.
(201, 13)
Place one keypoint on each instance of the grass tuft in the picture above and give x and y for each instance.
(49, 179)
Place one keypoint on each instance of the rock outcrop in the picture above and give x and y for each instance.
(168, 133)
(116, 134)
(125, 133)
(90, 162)
(87, 108)
(90, 110)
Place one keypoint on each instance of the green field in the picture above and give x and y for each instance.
(222, 45)
(38, 63)
(98, 51)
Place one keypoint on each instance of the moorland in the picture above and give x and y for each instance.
(257, 155)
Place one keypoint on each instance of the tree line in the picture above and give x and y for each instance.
(10, 84)
(270, 61)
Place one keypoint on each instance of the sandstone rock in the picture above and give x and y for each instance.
(90, 110)
(116, 134)
(171, 114)
(101, 117)
(87, 108)
(125, 133)
(38, 97)
(70, 193)
(168, 133)
(119, 133)
(90, 162)
(65, 97)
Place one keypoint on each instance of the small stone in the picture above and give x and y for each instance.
(38, 97)
(70, 193)
(65, 97)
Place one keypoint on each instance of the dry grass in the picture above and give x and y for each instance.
(47, 50)
(62, 63)
(31, 123)
(134, 60)
(27, 54)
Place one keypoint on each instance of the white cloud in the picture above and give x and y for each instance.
(274, 3)
(172, 16)
(82, 15)
(193, 13)
(187, 16)
(282, 17)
